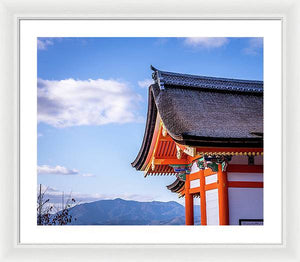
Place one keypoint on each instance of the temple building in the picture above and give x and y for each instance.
(208, 133)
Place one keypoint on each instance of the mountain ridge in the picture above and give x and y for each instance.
(128, 212)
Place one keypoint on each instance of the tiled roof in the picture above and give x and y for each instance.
(204, 111)
(176, 186)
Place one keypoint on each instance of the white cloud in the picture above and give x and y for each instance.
(72, 102)
(145, 83)
(206, 42)
(59, 170)
(56, 170)
(254, 46)
(43, 44)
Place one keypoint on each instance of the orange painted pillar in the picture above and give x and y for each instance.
(223, 196)
(202, 198)
(189, 203)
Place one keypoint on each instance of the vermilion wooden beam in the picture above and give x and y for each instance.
(170, 161)
(196, 175)
(208, 172)
(195, 190)
(211, 186)
(202, 199)
(245, 184)
(223, 196)
(245, 168)
(166, 138)
(160, 157)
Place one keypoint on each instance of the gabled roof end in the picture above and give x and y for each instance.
(157, 77)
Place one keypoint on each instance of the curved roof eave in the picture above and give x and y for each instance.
(148, 134)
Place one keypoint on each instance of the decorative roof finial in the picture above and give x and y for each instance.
(157, 77)
(153, 68)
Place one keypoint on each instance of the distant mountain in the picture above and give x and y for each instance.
(124, 212)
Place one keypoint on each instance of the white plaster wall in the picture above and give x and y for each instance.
(245, 203)
(195, 183)
(212, 207)
(197, 211)
(211, 179)
(254, 177)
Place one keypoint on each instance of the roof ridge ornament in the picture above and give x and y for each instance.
(163, 78)
(157, 77)
(153, 68)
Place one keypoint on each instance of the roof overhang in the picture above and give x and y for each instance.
(158, 138)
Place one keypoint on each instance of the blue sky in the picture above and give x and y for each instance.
(92, 105)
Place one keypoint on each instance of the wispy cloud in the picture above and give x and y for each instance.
(59, 170)
(56, 170)
(42, 44)
(206, 42)
(73, 102)
(145, 83)
(255, 45)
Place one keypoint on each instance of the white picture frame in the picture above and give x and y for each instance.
(10, 13)
(30, 233)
